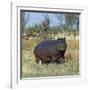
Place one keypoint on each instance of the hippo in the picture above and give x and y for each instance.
(51, 51)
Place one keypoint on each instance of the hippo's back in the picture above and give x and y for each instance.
(41, 46)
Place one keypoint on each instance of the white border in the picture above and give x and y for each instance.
(15, 35)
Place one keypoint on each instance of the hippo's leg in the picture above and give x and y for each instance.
(58, 61)
(43, 62)
(62, 59)
(49, 60)
(46, 60)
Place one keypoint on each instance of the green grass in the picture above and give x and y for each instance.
(31, 69)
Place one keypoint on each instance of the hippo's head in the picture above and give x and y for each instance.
(61, 46)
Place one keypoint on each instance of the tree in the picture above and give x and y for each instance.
(71, 21)
(60, 18)
(46, 22)
(25, 16)
(45, 25)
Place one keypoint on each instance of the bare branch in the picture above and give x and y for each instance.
(46, 21)
(24, 19)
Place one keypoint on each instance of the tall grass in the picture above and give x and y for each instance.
(31, 69)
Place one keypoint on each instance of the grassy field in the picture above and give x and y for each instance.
(31, 69)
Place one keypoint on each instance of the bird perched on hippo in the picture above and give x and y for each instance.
(51, 51)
